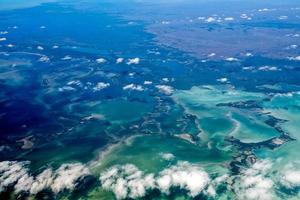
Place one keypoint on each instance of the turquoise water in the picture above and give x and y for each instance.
(149, 100)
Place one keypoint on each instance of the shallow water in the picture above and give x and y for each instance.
(90, 87)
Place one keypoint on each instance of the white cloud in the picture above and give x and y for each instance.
(222, 80)
(283, 17)
(129, 182)
(16, 174)
(2, 39)
(211, 55)
(231, 59)
(254, 183)
(228, 18)
(297, 58)
(75, 82)
(44, 59)
(249, 54)
(290, 176)
(293, 46)
(165, 22)
(119, 60)
(265, 10)
(43, 180)
(132, 61)
(185, 176)
(165, 80)
(67, 175)
(243, 16)
(66, 88)
(100, 60)
(167, 156)
(147, 82)
(210, 19)
(11, 172)
(40, 48)
(133, 87)
(268, 68)
(168, 90)
(24, 183)
(100, 86)
(67, 57)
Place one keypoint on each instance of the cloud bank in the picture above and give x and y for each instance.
(16, 174)
(129, 182)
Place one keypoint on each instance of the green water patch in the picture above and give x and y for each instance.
(286, 107)
(252, 129)
(224, 111)
(116, 111)
(98, 194)
(215, 126)
(77, 145)
(154, 153)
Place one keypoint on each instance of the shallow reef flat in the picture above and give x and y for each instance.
(149, 100)
(228, 112)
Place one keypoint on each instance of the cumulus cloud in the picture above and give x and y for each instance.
(167, 156)
(100, 86)
(245, 16)
(24, 183)
(211, 55)
(42, 181)
(44, 59)
(66, 88)
(265, 10)
(133, 87)
(228, 18)
(67, 57)
(11, 172)
(67, 175)
(16, 174)
(254, 184)
(147, 82)
(293, 46)
(40, 48)
(185, 176)
(222, 80)
(132, 61)
(297, 58)
(100, 60)
(165, 22)
(268, 68)
(290, 177)
(168, 90)
(210, 19)
(283, 17)
(231, 59)
(129, 182)
(119, 60)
